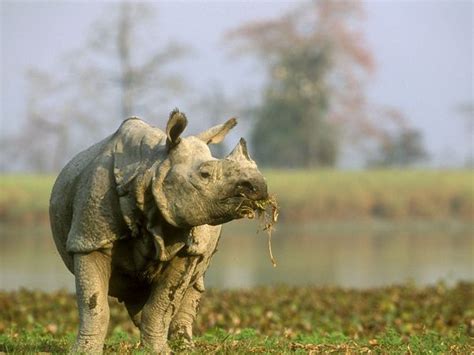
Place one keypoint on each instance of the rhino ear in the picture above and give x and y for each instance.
(240, 152)
(175, 126)
(217, 133)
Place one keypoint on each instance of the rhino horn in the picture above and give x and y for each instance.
(240, 152)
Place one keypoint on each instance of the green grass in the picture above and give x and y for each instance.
(248, 341)
(393, 194)
(25, 198)
(306, 195)
(397, 319)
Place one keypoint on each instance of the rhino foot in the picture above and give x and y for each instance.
(156, 348)
(87, 345)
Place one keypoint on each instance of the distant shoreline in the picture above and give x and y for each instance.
(305, 196)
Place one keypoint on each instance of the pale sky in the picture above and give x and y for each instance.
(423, 51)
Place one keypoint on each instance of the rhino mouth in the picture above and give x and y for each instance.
(245, 207)
(249, 209)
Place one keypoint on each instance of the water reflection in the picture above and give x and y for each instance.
(344, 254)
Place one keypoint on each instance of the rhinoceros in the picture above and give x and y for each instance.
(138, 217)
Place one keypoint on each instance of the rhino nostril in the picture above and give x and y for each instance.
(246, 186)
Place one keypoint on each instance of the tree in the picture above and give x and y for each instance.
(124, 59)
(318, 64)
(119, 72)
(291, 127)
(400, 150)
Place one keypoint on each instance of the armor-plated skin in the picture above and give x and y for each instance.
(137, 216)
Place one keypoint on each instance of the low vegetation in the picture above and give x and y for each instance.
(306, 195)
(281, 319)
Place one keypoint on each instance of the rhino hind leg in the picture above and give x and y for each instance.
(131, 292)
(134, 309)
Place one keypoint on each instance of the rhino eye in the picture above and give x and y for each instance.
(205, 174)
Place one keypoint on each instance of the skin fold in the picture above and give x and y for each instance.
(138, 217)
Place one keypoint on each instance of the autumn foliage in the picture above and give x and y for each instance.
(318, 64)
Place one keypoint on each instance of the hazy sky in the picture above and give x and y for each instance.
(423, 50)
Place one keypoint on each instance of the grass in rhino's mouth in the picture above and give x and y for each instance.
(267, 212)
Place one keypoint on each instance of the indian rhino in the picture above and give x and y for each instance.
(137, 216)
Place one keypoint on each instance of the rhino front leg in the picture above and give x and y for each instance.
(165, 299)
(205, 239)
(92, 272)
(181, 326)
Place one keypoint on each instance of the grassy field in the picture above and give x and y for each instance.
(393, 194)
(305, 195)
(398, 319)
(25, 198)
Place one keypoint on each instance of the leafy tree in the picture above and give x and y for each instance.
(318, 63)
(119, 72)
(402, 149)
(292, 127)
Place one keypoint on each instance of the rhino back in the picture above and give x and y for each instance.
(63, 195)
(84, 209)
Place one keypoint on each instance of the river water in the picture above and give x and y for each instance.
(348, 254)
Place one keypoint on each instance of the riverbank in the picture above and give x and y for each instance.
(305, 196)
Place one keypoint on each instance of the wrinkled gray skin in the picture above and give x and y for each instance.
(137, 216)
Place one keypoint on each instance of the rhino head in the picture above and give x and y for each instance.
(192, 188)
